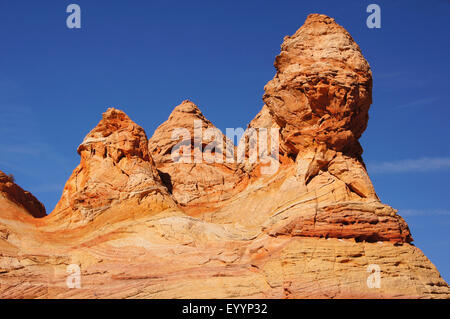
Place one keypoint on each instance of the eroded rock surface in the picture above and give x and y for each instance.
(196, 185)
(10, 191)
(116, 168)
(322, 90)
(140, 225)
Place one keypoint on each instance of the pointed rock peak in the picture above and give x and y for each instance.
(187, 109)
(112, 121)
(321, 39)
(5, 178)
(116, 136)
(322, 24)
(115, 167)
(115, 114)
(317, 17)
(184, 116)
(196, 186)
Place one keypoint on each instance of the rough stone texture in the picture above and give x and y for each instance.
(322, 90)
(115, 168)
(10, 191)
(140, 228)
(197, 186)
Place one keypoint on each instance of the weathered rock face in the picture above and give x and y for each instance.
(313, 229)
(322, 90)
(195, 184)
(325, 189)
(115, 167)
(320, 98)
(10, 191)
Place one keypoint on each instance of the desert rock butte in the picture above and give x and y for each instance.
(142, 226)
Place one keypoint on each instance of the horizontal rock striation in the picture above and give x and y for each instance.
(140, 225)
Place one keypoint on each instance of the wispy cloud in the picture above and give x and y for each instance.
(424, 164)
(49, 188)
(422, 212)
(388, 75)
(420, 102)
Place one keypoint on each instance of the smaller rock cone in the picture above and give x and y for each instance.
(197, 186)
(115, 167)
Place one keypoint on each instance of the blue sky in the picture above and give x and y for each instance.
(145, 57)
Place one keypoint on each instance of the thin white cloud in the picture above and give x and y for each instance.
(424, 164)
(420, 212)
(420, 102)
(388, 75)
(48, 188)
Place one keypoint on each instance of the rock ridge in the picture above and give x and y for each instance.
(14, 193)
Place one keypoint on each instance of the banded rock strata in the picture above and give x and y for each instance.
(141, 226)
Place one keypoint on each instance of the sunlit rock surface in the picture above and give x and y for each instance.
(141, 226)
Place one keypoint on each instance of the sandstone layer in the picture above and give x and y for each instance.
(15, 195)
(140, 225)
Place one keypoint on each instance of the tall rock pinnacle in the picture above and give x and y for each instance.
(322, 90)
(320, 98)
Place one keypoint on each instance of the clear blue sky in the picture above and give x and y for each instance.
(145, 57)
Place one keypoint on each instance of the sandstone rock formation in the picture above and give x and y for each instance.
(140, 225)
(15, 195)
(322, 91)
(116, 169)
(196, 184)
